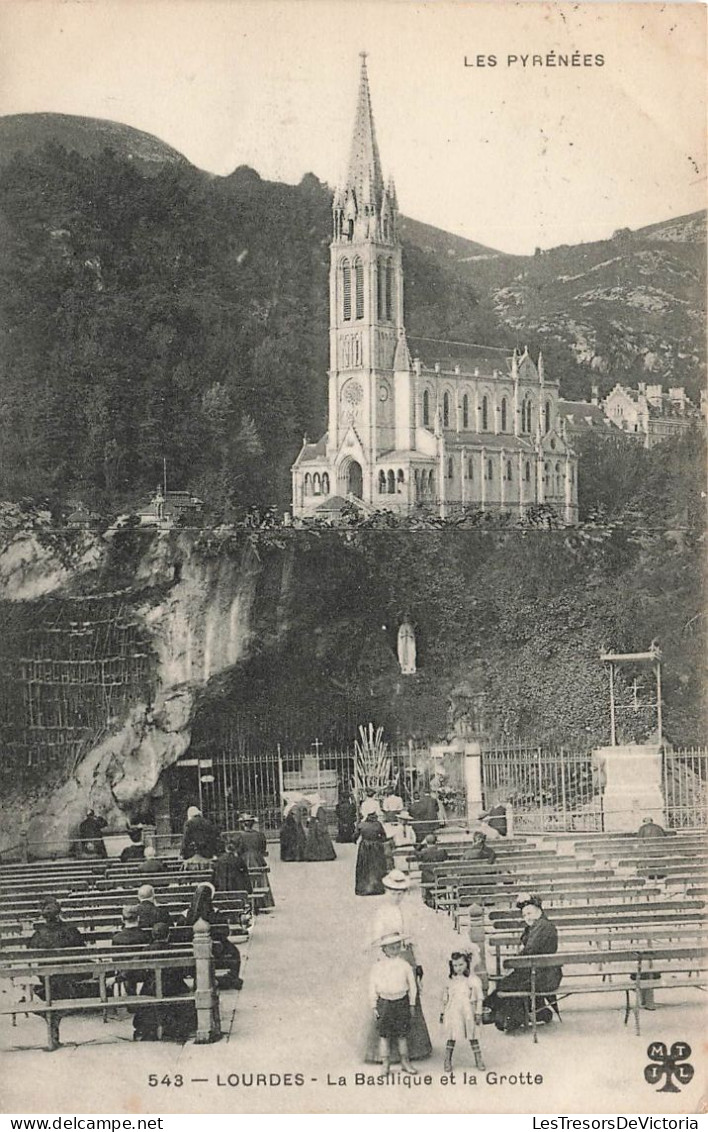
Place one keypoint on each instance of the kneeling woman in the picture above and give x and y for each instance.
(539, 937)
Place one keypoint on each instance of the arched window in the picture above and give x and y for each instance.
(465, 411)
(490, 470)
(400, 480)
(527, 472)
(426, 407)
(508, 471)
(389, 290)
(381, 287)
(382, 482)
(416, 483)
(346, 290)
(316, 485)
(430, 481)
(559, 480)
(503, 414)
(446, 410)
(526, 416)
(547, 417)
(307, 486)
(359, 287)
(449, 467)
(485, 414)
(546, 470)
(385, 229)
(391, 483)
(470, 469)
(325, 484)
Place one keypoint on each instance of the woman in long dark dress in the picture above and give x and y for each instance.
(318, 843)
(346, 813)
(539, 937)
(252, 848)
(293, 835)
(371, 863)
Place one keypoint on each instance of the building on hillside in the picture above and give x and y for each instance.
(649, 414)
(419, 422)
(582, 417)
(168, 508)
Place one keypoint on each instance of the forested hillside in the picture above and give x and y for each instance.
(149, 311)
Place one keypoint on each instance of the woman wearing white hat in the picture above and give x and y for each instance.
(389, 919)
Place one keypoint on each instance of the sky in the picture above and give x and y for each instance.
(511, 156)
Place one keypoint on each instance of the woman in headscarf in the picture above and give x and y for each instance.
(390, 918)
(293, 832)
(251, 847)
(226, 953)
(318, 843)
(371, 863)
(539, 937)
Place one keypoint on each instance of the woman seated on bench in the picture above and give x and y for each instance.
(226, 953)
(539, 937)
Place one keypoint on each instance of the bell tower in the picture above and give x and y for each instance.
(365, 295)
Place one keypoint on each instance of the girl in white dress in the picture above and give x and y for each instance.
(461, 1011)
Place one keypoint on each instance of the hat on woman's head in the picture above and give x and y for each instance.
(194, 812)
(246, 818)
(396, 880)
(524, 899)
(403, 815)
(389, 938)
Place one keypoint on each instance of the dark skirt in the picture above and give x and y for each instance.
(394, 1017)
(318, 845)
(509, 1013)
(371, 867)
(292, 841)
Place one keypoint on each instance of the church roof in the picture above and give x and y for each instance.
(582, 416)
(364, 175)
(489, 440)
(469, 356)
(317, 451)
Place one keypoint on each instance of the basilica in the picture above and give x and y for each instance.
(420, 422)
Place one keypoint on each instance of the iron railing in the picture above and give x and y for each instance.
(685, 785)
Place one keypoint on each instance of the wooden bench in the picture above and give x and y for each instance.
(633, 970)
(562, 898)
(599, 937)
(98, 970)
(651, 911)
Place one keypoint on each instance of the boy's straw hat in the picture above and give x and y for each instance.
(396, 880)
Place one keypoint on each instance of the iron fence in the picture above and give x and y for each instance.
(685, 779)
(550, 790)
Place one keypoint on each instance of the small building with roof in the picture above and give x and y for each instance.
(420, 422)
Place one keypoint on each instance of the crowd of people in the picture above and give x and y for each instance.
(236, 862)
(380, 825)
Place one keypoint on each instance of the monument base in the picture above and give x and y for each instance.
(632, 786)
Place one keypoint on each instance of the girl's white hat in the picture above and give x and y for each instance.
(396, 880)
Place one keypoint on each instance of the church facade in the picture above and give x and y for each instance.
(419, 423)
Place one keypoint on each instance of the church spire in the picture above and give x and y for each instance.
(364, 178)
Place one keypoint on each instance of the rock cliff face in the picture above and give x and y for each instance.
(201, 625)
